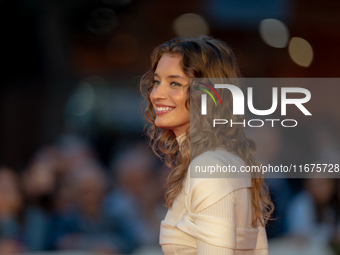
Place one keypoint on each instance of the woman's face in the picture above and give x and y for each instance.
(169, 94)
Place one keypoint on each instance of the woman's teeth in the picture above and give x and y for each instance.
(164, 108)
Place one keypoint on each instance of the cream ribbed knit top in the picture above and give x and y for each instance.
(212, 216)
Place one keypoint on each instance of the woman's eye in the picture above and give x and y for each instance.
(176, 84)
(155, 82)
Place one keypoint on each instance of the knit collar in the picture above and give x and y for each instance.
(180, 139)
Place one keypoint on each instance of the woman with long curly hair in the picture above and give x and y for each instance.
(205, 215)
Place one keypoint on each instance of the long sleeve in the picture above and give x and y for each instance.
(234, 207)
(223, 209)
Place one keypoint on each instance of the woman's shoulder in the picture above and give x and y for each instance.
(218, 155)
(210, 178)
(218, 163)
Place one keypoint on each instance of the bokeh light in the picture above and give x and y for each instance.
(190, 24)
(82, 100)
(274, 33)
(300, 51)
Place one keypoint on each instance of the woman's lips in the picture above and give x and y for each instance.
(163, 109)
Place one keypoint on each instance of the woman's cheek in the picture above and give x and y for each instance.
(178, 97)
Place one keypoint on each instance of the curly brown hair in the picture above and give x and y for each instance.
(202, 57)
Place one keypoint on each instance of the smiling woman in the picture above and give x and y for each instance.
(169, 94)
(220, 216)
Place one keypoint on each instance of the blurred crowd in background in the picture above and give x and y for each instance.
(76, 174)
(66, 198)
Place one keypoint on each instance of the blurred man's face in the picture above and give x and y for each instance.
(321, 189)
(89, 195)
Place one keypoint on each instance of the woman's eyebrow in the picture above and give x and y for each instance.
(171, 76)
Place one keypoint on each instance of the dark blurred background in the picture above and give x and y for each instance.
(76, 174)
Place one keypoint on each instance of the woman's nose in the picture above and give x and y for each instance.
(159, 92)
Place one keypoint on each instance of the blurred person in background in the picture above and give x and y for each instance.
(48, 194)
(136, 193)
(335, 240)
(11, 203)
(270, 147)
(39, 184)
(325, 140)
(87, 226)
(72, 149)
(63, 203)
(311, 214)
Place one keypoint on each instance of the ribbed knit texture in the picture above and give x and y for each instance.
(233, 207)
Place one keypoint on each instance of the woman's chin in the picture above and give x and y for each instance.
(161, 125)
